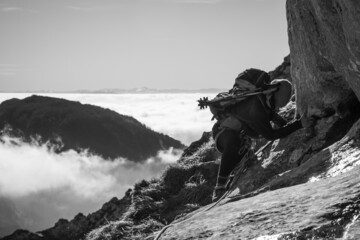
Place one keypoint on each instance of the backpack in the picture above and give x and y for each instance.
(251, 78)
(248, 83)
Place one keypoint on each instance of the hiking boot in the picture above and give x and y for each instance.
(218, 192)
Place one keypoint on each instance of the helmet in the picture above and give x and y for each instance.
(283, 94)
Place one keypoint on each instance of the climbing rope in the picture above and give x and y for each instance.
(233, 178)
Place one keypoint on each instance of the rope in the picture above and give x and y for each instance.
(229, 185)
(264, 147)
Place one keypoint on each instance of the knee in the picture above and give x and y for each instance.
(232, 143)
(227, 136)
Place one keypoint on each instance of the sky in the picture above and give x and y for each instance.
(68, 45)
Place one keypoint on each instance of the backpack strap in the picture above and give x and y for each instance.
(260, 78)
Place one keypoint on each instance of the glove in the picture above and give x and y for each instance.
(308, 122)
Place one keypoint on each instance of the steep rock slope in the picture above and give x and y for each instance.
(325, 209)
(82, 126)
(289, 191)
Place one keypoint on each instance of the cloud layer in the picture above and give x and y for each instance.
(27, 169)
(45, 186)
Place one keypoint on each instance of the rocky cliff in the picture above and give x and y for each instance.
(324, 41)
(304, 186)
(72, 125)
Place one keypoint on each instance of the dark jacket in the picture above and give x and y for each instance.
(255, 116)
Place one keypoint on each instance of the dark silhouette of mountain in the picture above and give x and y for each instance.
(82, 126)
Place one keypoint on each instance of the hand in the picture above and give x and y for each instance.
(308, 122)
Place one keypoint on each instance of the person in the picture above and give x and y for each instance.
(249, 119)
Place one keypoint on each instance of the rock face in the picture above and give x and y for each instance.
(320, 210)
(302, 189)
(82, 126)
(324, 41)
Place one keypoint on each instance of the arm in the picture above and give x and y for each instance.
(278, 120)
(255, 116)
(262, 126)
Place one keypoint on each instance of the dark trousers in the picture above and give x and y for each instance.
(233, 146)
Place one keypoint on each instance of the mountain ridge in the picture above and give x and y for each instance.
(82, 126)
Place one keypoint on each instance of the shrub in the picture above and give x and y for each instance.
(175, 177)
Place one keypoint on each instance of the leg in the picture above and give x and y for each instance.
(230, 143)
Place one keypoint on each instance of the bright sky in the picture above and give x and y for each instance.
(66, 45)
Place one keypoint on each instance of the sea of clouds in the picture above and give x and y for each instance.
(45, 186)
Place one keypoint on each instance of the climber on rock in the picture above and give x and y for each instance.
(240, 119)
